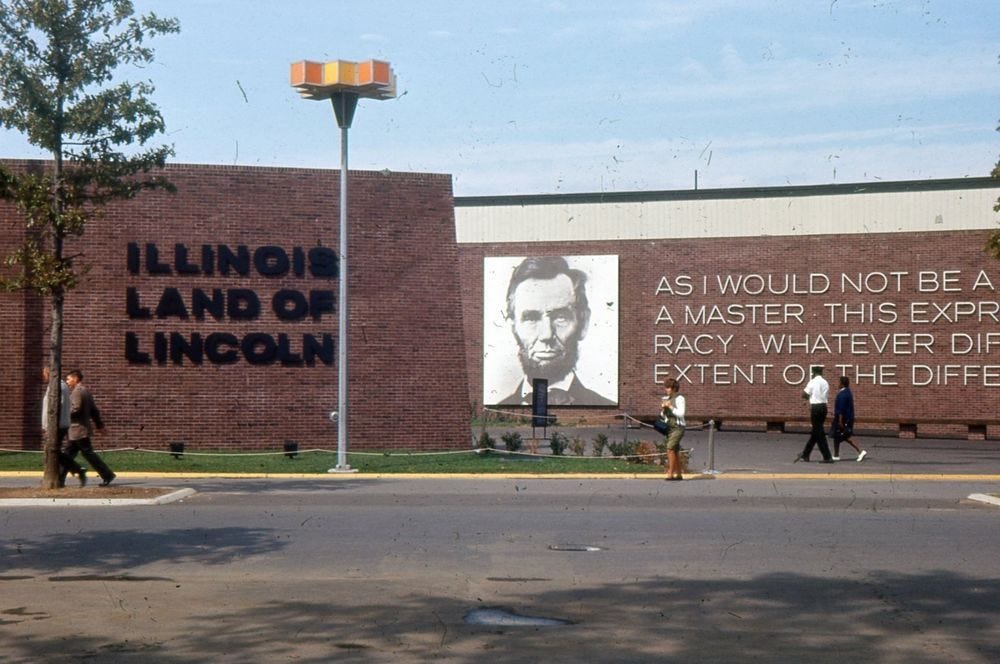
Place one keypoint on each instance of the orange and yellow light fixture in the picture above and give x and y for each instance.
(372, 79)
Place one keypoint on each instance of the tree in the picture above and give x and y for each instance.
(59, 87)
(993, 243)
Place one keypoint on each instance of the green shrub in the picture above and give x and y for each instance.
(578, 446)
(558, 442)
(512, 441)
(622, 449)
(600, 442)
(486, 441)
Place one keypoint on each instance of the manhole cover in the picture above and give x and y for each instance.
(494, 617)
(574, 547)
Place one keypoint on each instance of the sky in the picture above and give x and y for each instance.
(564, 96)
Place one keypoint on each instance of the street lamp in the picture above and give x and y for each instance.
(343, 83)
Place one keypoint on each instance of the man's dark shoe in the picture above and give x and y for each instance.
(82, 476)
(108, 480)
(801, 458)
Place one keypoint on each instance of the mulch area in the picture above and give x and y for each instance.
(93, 492)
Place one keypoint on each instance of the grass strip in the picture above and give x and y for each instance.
(319, 461)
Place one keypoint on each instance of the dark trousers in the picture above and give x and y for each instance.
(84, 447)
(817, 415)
(66, 463)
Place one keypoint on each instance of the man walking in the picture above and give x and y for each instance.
(83, 417)
(66, 464)
(817, 392)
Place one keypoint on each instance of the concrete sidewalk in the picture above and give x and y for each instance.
(750, 452)
(776, 453)
(743, 455)
(754, 453)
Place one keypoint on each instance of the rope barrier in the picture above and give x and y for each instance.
(625, 417)
(184, 453)
(221, 454)
(620, 416)
(551, 418)
(249, 454)
(518, 415)
(567, 456)
(704, 425)
(482, 450)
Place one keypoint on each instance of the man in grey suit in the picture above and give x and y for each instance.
(548, 313)
(83, 418)
(66, 465)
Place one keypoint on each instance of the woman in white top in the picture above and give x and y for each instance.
(673, 412)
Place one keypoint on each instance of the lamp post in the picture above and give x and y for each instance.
(343, 83)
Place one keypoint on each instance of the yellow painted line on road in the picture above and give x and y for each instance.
(884, 477)
(691, 476)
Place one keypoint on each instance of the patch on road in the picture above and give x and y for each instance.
(499, 617)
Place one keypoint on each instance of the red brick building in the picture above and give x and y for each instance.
(738, 292)
(210, 315)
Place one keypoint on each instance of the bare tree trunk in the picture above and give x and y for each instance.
(50, 476)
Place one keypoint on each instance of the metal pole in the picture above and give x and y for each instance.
(342, 464)
(344, 105)
(711, 447)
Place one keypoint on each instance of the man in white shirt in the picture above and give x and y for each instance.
(817, 392)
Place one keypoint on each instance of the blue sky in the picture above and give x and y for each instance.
(566, 96)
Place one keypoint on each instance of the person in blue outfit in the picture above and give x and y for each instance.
(843, 420)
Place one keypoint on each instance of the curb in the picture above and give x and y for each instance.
(704, 475)
(96, 502)
(985, 498)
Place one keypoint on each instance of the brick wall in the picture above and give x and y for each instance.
(726, 394)
(21, 345)
(404, 311)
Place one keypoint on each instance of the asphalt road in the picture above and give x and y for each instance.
(742, 567)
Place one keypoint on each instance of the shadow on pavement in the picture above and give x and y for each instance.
(921, 618)
(112, 551)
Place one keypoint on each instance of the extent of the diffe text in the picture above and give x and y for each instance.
(890, 328)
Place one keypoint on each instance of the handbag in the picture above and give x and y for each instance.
(661, 425)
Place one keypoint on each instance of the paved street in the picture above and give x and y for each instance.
(766, 562)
